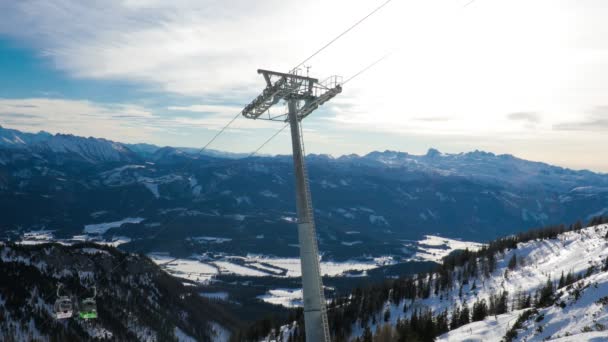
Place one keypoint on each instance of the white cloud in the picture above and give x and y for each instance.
(471, 67)
(209, 109)
(121, 122)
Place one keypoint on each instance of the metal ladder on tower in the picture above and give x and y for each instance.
(313, 236)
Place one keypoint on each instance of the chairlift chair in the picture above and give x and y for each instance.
(88, 307)
(63, 307)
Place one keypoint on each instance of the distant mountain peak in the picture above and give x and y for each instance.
(68, 145)
(432, 152)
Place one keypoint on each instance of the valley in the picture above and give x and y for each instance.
(231, 239)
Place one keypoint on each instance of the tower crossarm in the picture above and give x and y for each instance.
(310, 106)
(282, 86)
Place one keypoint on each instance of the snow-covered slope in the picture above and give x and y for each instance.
(543, 285)
(580, 312)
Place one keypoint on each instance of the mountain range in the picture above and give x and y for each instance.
(64, 183)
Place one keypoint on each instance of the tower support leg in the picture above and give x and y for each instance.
(315, 313)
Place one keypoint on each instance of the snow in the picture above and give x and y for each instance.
(589, 336)
(182, 336)
(98, 332)
(271, 269)
(94, 251)
(538, 261)
(377, 219)
(243, 200)
(153, 189)
(328, 268)
(289, 298)
(196, 188)
(230, 268)
(203, 268)
(586, 312)
(209, 239)
(269, 194)
(346, 243)
(215, 295)
(185, 268)
(116, 241)
(36, 237)
(435, 248)
(221, 334)
(493, 328)
(289, 219)
(101, 228)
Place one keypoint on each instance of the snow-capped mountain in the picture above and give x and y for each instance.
(89, 149)
(64, 183)
(502, 169)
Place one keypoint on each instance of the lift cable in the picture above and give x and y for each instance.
(341, 34)
(368, 67)
(371, 65)
(267, 141)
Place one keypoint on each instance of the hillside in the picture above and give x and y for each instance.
(136, 300)
(62, 184)
(544, 285)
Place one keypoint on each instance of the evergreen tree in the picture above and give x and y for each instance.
(545, 297)
(512, 262)
(387, 315)
(480, 311)
(465, 316)
(455, 321)
(441, 323)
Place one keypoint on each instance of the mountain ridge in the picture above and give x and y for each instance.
(398, 157)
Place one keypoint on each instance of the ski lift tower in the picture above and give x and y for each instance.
(303, 95)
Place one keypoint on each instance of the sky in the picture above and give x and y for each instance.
(524, 77)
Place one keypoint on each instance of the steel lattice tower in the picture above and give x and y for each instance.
(303, 95)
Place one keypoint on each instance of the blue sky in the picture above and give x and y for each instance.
(487, 76)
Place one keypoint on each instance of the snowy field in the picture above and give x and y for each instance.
(193, 270)
(37, 237)
(289, 298)
(491, 329)
(202, 270)
(101, 228)
(434, 248)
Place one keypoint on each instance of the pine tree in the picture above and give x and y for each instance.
(562, 281)
(387, 315)
(512, 262)
(465, 316)
(441, 323)
(545, 297)
(480, 311)
(455, 321)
